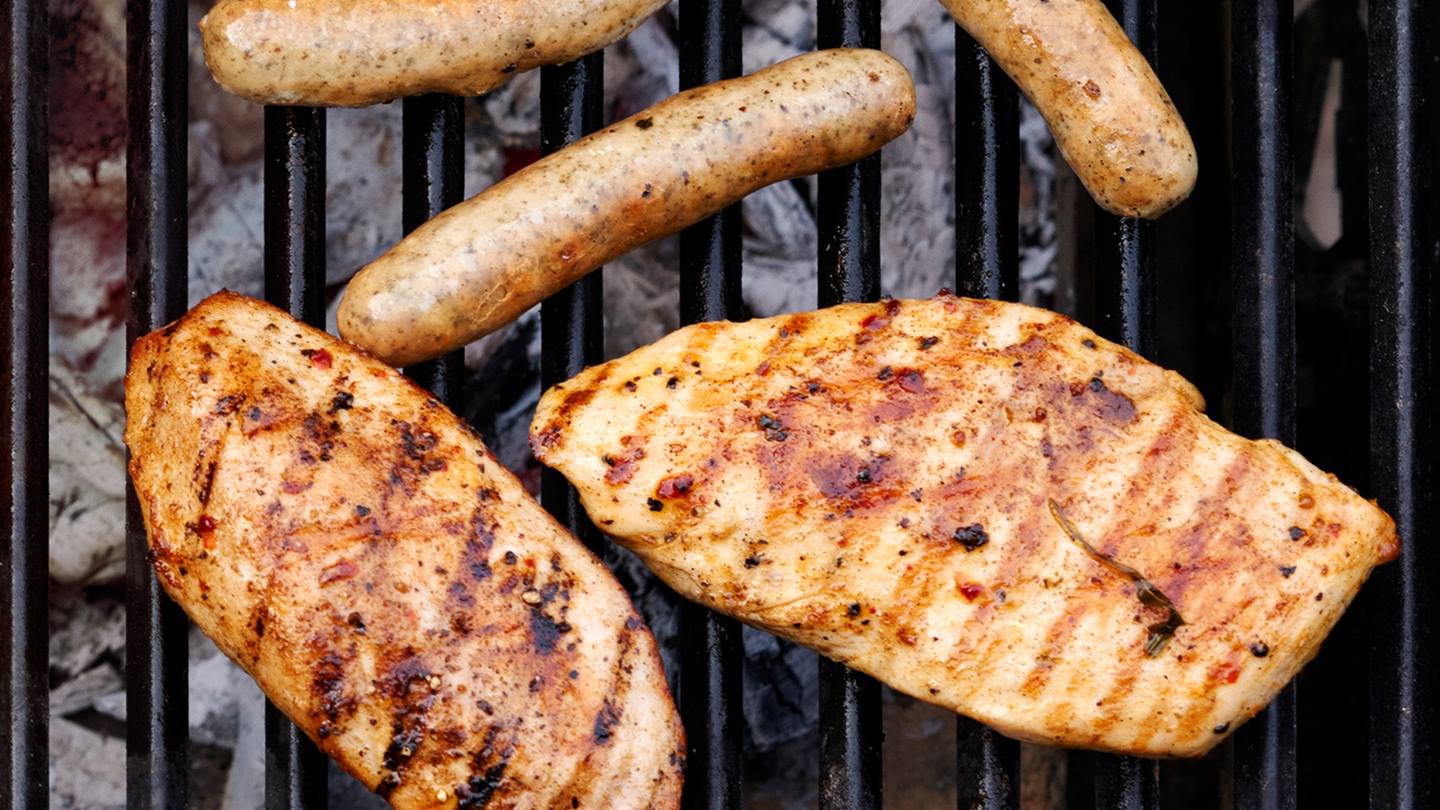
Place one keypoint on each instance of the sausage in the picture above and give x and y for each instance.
(358, 52)
(1112, 119)
(480, 264)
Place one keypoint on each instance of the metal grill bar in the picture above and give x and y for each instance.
(1402, 657)
(1124, 307)
(24, 290)
(710, 267)
(433, 158)
(1262, 265)
(851, 730)
(156, 675)
(987, 202)
(572, 325)
(295, 769)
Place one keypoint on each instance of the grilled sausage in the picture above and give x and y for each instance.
(479, 265)
(1111, 117)
(349, 53)
(984, 505)
(390, 586)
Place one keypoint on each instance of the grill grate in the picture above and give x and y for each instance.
(987, 189)
(156, 674)
(1125, 313)
(1402, 652)
(1262, 262)
(24, 454)
(710, 666)
(294, 281)
(433, 155)
(849, 224)
(1262, 258)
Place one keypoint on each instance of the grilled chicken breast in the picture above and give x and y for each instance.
(390, 586)
(984, 505)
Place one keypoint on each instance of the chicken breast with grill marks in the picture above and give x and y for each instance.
(390, 586)
(982, 504)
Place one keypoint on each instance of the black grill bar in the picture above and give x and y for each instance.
(572, 322)
(851, 730)
(710, 265)
(1402, 654)
(1124, 308)
(156, 675)
(295, 769)
(24, 300)
(1262, 265)
(987, 203)
(434, 179)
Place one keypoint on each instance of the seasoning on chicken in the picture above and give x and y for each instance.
(984, 505)
(390, 586)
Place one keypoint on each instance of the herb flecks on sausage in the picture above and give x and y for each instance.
(481, 264)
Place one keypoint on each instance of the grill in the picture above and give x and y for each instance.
(1395, 727)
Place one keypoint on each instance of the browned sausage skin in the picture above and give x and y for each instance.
(350, 53)
(1111, 117)
(479, 265)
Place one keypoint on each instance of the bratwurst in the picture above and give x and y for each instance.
(479, 265)
(349, 53)
(1111, 117)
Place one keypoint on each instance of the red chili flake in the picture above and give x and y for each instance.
(912, 381)
(906, 635)
(763, 368)
(205, 525)
(319, 357)
(971, 590)
(1228, 671)
(622, 468)
(340, 570)
(674, 487)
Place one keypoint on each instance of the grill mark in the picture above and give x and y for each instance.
(1175, 585)
(1209, 519)
(1057, 636)
(1038, 533)
(919, 599)
(1203, 705)
(579, 398)
(1123, 679)
(579, 782)
(1024, 545)
(648, 417)
(209, 481)
(1062, 630)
